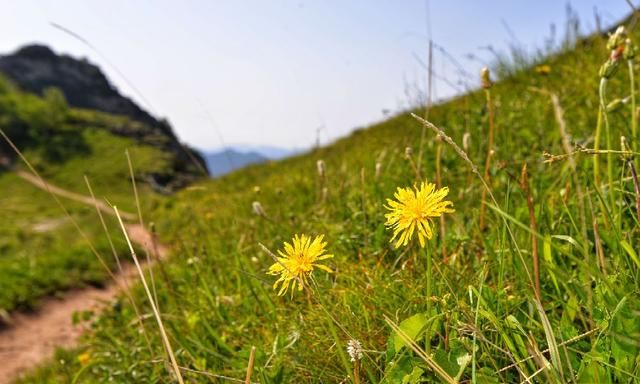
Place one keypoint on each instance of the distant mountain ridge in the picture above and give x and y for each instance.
(224, 161)
(270, 152)
(36, 68)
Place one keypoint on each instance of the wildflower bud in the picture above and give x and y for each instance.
(466, 141)
(256, 189)
(608, 69)
(485, 78)
(617, 38)
(257, 209)
(84, 358)
(408, 152)
(629, 51)
(615, 104)
(378, 169)
(354, 349)
(321, 168)
(617, 53)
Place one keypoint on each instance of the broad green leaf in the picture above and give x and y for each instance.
(414, 376)
(411, 328)
(397, 370)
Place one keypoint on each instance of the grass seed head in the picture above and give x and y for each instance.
(466, 141)
(485, 78)
(257, 209)
(321, 168)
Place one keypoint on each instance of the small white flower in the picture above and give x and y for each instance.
(257, 209)
(354, 349)
(321, 168)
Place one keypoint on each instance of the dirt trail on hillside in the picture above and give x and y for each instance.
(32, 338)
(102, 206)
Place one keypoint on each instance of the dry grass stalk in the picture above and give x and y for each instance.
(163, 334)
(431, 363)
(140, 219)
(252, 358)
(117, 258)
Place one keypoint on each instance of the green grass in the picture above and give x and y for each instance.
(218, 301)
(41, 252)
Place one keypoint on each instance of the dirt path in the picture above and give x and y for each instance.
(104, 208)
(32, 338)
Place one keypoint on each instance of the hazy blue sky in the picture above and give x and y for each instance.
(273, 72)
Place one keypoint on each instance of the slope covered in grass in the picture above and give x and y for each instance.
(41, 251)
(472, 309)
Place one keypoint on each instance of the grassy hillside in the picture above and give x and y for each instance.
(41, 252)
(466, 303)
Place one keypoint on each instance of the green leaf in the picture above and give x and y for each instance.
(414, 376)
(567, 239)
(411, 327)
(445, 361)
(548, 259)
(591, 371)
(632, 254)
(397, 370)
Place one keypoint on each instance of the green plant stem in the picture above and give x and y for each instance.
(487, 165)
(634, 119)
(610, 191)
(596, 147)
(427, 333)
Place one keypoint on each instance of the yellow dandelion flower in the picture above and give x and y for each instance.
(84, 358)
(543, 69)
(297, 261)
(414, 212)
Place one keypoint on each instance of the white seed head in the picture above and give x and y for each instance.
(354, 349)
(378, 169)
(485, 78)
(408, 151)
(466, 141)
(321, 168)
(257, 209)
